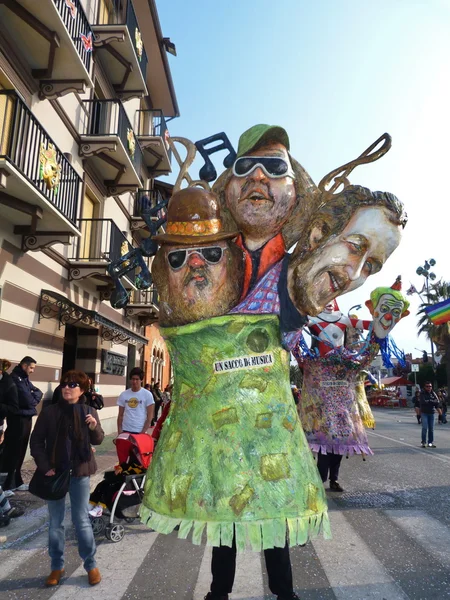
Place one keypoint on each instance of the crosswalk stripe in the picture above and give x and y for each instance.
(16, 557)
(248, 582)
(431, 534)
(429, 452)
(352, 569)
(118, 563)
(204, 576)
(345, 568)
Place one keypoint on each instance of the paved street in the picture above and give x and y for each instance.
(391, 539)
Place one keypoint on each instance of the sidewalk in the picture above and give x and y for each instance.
(35, 517)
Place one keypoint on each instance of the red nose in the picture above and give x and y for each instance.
(196, 260)
(388, 317)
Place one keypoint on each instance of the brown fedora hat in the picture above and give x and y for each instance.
(194, 218)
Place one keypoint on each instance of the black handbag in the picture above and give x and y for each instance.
(50, 487)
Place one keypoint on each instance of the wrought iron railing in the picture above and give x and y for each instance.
(27, 146)
(108, 117)
(148, 297)
(118, 14)
(101, 241)
(152, 123)
(77, 24)
(147, 199)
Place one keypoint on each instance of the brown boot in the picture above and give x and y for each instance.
(94, 576)
(54, 578)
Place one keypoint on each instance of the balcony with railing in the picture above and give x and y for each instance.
(153, 135)
(144, 202)
(117, 34)
(108, 140)
(144, 304)
(40, 189)
(55, 40)
(101, 243)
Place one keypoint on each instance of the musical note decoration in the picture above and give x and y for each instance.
(208, 171)
(154, 218)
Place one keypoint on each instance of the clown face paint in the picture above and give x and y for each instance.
(261, 204)
(386, 315)
(345, 261)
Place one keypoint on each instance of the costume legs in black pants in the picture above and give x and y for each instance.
(278, 564)
(329, 463)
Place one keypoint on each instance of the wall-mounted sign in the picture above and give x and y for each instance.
(114, 364)
(50, 169)
(131, 143)
(139, 44)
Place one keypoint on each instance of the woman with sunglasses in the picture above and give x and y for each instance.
(61, 440)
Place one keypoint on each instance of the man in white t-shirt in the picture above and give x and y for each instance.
(136, 406)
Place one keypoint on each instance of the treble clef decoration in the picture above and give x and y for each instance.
(340, 175)
(184, 165)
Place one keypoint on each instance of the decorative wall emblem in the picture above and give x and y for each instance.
(87, 42)
(50, 169)
(139, 44)
(73, 9)
(131, 142)
(124, 249)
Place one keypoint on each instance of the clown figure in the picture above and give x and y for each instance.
(329, 409)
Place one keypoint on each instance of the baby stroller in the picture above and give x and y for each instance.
(124, 487)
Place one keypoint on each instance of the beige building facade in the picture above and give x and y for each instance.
(85, 96)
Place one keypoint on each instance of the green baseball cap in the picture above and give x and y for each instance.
(258, 135)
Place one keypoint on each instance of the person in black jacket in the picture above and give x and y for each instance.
(19, 426)
(429, 405)
(9, 401)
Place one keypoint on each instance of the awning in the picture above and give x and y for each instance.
(388, 381)
(55, 306)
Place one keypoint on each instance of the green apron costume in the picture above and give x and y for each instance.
(232, 455)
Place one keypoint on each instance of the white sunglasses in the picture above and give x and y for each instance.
(274, 167)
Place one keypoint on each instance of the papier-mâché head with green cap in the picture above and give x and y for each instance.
(265, 187)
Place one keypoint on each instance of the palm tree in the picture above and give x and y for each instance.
(439, 334)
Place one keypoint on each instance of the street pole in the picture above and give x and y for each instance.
(425, 272)
(433, 364)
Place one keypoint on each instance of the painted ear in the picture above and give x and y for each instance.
(405, 314)
(369, 305)
(315, 236)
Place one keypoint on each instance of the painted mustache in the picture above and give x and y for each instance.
(194, 275)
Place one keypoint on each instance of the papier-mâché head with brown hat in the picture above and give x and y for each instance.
(198, 269)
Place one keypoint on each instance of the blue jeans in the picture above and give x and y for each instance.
(79, 492)
(427, 423)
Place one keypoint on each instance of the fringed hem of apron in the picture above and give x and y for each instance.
(345, 449)
(255, 535)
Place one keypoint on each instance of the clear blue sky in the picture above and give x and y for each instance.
(336, 75)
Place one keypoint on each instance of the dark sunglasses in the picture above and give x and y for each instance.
(272, 166)
(178, 258)
(71, 384)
